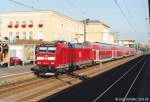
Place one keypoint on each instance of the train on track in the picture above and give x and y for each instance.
(60, 56)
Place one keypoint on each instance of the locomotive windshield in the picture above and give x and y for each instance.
(51, 49)
(42, 49)
(47, 49)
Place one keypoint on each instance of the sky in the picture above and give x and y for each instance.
(130, 23)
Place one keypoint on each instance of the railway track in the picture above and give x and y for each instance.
(129, 77)
(17, 78)
(121, 84)
(38, 88)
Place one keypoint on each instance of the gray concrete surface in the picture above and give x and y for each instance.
(13, 70)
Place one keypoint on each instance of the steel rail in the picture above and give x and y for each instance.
(134, 82)
(104, 92)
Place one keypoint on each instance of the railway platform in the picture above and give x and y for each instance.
(14, 70)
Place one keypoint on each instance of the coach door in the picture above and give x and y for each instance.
(97, 55)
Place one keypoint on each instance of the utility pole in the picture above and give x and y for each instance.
(85, 22)
(116, 37)
(149, 10)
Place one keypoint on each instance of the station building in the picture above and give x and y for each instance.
(127, 42)
(39, 25)
(50, 25)
(99, 32)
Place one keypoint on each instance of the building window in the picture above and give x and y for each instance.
(40, 35)
(40, 23)
(31, 22)
(10, 25)
(10, 34)
(17, 24)
(24, 35)
(30, 35)
(11, 37)
(30, 25)
(62, 26)
(17, 35)
(23, 24)
(10, 22)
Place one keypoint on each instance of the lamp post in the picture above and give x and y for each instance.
(85, 22)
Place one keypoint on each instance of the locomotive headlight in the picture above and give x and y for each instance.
(52, 62)
(51, 58)
(40, 58)
(38, 62)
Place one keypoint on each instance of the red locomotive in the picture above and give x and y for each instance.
(60, 56)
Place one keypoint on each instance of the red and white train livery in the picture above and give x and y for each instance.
(59, 56)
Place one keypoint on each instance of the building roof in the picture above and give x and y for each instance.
(98, 22)
(36, 12)
(127, 40)
(94, 21)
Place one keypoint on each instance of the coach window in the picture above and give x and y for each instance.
(42, 49)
